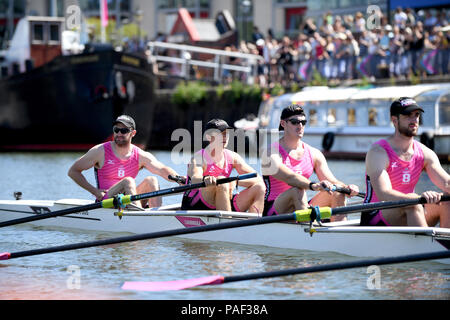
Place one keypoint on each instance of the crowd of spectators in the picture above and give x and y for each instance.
(348, 47)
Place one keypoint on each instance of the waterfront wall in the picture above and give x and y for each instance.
(169, 116)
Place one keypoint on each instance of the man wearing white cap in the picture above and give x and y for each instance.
(117, 163)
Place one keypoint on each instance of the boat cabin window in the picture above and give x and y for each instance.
(54, 33)
(444, 110)
(312, 118)
(317, 113)
(373, 117)
(351, 117)
(38, 32)
(45, 32)
(378, 112)
(331, 116)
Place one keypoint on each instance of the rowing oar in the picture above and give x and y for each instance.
(347, 191)
(306, 215)
(215, 280)
(178, 179)
(121, 200)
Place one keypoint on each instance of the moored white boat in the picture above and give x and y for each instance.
(342, 237)
(345, 122)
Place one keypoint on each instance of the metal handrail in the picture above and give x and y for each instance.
(249, 65)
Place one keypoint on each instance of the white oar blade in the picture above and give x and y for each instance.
(171, 285)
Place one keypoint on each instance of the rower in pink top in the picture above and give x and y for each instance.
(117, 163)
(304, 167)
(115, 169)
(288, 165)
(393, 168)
(214, 162)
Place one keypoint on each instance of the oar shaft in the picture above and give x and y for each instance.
(152, 235)
(218, 279)
(341, 265)
(184, 188)
(50, 214)
(383, 205)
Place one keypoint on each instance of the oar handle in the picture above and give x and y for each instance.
(178, 179)
(347, 191)
(238, 177)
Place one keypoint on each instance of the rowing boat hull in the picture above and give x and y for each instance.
(341, 237)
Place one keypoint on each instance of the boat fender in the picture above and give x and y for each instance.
(427, 138)
(4, 71)
(29, 65)
(327, 141)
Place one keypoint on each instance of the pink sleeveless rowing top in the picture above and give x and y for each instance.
(115, 169)
(304, 167)
(212, 169)
(404, 175)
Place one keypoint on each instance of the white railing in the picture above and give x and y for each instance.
(219, 63)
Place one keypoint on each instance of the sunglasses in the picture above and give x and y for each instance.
(121, 130)
(296, 121)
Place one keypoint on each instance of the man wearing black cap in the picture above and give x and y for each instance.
(215, 162)
(287, 166)
(393, 168)
(117, 163)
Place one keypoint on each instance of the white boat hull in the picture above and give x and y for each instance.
(341, 237)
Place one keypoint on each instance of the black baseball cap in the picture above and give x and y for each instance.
(404, 105)
(126, 120)
(217, 124)
(289, 111)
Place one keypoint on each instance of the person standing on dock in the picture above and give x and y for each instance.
(117, 163)
(393, 168)
(215, 162)
(287, 166)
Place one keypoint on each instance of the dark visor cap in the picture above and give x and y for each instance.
(127, 121)
(404, 105)
(217, 124)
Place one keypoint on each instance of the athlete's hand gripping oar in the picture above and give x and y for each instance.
(121, 200)
(190, 283)
(306, 215)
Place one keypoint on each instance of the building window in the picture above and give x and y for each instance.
(58, 11)
(94, 5)
(444, 110)
(188, 4)
(290, 1)
(18, 8)
(322, 5)
(244, 19)
(3, 7)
